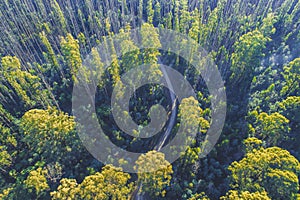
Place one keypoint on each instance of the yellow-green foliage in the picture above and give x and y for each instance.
(130, 52)
(150, 12)
(247, 52)
(26, 85)
(10, 63)
(99, 67)
(68, 189)
(188, 160)
(37, 180)
(70, 50)
(245, 195)
(192, 122)
(50, 132)
(5, 193)
(252, 143)
(6, 137)
(273, 169)
(114, 69)
(51, 55)
(5, 158)
(154, 172)
(150, 38)
(290, 108)
(290, 102)
(111, 183)
(267, 27)
(6, 117)
(59, 14)
(201, 196)
(191, 114)
(291, 75)
(271, 128)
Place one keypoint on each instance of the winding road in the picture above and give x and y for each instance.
(136, 195)
(173, 112)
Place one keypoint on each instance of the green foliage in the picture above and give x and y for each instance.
(10, 63)
(250, 41)
(59, 15)
(114, 70)
(190, 112)
(187, 162)
(114, 67)
(246, 57)
(157, 13)
(267, 27)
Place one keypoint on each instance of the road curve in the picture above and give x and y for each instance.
(136, 195)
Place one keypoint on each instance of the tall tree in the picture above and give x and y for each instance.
(273, 128)
(50, 55)
(50, 134)
(273, 170)
(245, 195)
(26, 85)
(150, 12)
(291, 75)
(248, 51)
(157, 14)
(150, 38)
(37, 181)
(110, 183)
(71, 52)
(154, 173)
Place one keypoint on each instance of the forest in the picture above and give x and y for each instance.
(45, 46)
